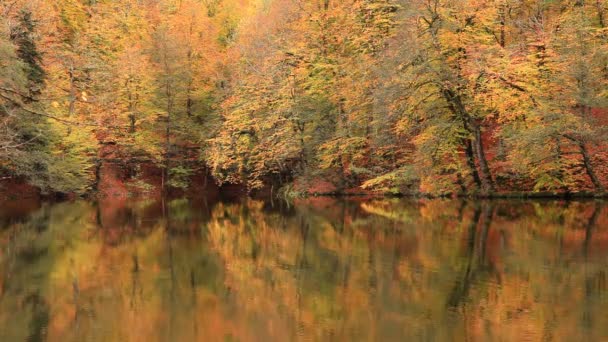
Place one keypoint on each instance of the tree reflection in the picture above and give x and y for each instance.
(321, 269)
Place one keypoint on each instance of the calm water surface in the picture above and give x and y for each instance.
(318, 270)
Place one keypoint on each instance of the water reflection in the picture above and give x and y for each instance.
(320, 269)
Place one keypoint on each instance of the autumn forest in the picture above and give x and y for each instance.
(464, 97)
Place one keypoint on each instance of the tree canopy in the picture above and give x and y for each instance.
(431, 96)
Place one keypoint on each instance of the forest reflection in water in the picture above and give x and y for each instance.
(319, 269)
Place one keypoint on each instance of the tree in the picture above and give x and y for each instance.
(23, 36)
(30, 141)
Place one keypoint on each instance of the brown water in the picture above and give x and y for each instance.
(319, 270)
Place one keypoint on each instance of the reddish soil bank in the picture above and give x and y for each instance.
(319, 186)
(17, 189)
(120, 179)
(122, 175)
(111, 181)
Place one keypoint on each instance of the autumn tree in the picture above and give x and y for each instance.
(32, 142)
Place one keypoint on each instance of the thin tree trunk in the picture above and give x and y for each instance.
(343, 130)
(131, 123)
(502, 17)
(600, 13)
(98, 165)
(167, 133)
(460, 182)
(72, 97)
(189, 103)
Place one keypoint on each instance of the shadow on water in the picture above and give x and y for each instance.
(322, 268)
(475, 264)
(595, 280)
(40, 317)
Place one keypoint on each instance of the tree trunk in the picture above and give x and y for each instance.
(470, 155)
(589, 168)
(560, 171)
(189, 104)
(483, 179)
(131, 123)
(487, 185)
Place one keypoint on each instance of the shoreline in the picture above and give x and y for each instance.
(12, 197)
(499, 195)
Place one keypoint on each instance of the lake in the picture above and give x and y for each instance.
(316, 270)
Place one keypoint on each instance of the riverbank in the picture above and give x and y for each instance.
(111, 187)
(505, 195)
(120, 179)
